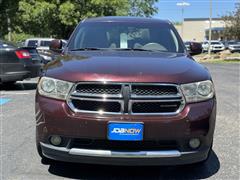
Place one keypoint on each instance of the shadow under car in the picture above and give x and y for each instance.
(85, 171)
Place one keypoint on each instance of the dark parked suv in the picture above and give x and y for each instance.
(125, 91)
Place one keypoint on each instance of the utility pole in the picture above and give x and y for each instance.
(210, 29)
(182, 21)
(9, 26)
(183, 5)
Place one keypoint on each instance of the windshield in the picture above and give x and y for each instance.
(117, 35)
(215, 43)
(234, 42)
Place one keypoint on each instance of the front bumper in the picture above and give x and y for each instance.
(129, 158)
(196, 120)
(233, 49)
(217, 49)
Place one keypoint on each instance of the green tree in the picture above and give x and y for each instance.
(37, 17)
(142, 8)
(58, 18)
(8, 20)
(72, 12)
(232, 21)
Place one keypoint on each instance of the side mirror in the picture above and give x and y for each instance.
(195, 48)
(56, 45)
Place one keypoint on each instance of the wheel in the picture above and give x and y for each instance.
(45, 160)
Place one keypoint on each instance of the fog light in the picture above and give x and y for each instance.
(194, 143)
(56, 140)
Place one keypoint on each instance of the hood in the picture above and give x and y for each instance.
(122, 66)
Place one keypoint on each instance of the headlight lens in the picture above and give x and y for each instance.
(199, 91)
(204, 88)
(54, 88)
(48, 85)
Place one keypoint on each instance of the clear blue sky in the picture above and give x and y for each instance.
(197, 9)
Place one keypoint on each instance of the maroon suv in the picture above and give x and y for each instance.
(125, 91)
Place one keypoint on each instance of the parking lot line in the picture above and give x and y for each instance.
(14, 93)
(29, 82)
(4, 101)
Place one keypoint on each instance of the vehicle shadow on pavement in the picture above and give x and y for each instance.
(80, 171)
(18, 86)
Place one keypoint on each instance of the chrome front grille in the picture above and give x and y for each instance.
(126, 98)
(90, 89)
(155, 106)
(153, 90)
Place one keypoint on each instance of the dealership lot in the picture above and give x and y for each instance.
(19, 159)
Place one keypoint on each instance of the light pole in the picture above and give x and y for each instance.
(183, 5)
(210, 29)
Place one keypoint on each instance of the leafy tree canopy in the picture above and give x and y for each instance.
(58, 18)
(232, 21)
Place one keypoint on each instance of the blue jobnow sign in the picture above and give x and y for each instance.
(125, 131)
(4, 101)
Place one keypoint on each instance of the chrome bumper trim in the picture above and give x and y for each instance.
(118, 154)
(124, 154)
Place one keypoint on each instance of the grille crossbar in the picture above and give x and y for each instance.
(110, 98)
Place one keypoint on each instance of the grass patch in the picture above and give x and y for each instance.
(222, 57)
(218, 61)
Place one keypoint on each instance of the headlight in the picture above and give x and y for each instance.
(199, 91)
(54, 88)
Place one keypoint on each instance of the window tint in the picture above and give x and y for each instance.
(126, 35)
(233, 42)
(45, 43)
(215, 43)
(32, 43)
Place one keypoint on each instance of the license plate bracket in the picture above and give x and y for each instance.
(125, 131)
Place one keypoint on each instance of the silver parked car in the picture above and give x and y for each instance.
(234, 46)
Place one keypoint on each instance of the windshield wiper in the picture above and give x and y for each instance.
(117, 49)
(132, 49)
(87, 49)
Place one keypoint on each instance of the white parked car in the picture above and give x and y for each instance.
(216, 46)
(41, 43)
(42, 46)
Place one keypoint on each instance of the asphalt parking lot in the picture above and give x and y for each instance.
(19, 159)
